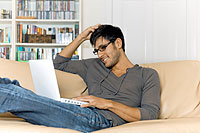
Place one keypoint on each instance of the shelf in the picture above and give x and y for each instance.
(6, 20)
(5, 44)
(41, 45)
(47, 20)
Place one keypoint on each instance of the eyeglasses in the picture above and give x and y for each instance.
(102, 48)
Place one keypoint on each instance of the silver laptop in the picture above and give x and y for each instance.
(45, 82)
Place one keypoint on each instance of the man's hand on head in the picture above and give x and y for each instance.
(94, 101)
(86, 34)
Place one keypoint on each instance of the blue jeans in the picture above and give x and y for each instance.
(44, 111)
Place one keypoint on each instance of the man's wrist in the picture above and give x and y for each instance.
(80, 38)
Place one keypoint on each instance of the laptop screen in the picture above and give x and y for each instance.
(44, 78)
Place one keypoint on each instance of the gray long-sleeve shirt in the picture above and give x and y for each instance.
(139, 87)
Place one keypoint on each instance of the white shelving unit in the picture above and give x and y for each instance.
(12, 4)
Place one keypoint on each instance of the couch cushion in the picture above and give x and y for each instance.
(16, 125)
(70, 85)
(17, 70)
(180, 125)
(180, 90)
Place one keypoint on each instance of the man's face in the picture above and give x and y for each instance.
(110, 56)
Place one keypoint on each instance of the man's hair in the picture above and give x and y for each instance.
(109, 33)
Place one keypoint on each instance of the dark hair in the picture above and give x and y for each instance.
(109, 33)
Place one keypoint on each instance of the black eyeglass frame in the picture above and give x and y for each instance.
(103, 47)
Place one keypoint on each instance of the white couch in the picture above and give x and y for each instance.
(180, 99)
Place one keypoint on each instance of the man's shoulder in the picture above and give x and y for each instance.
(91, 60)
(147, 71)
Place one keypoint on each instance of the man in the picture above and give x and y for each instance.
(119, 92)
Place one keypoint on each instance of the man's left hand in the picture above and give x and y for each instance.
(94, 101)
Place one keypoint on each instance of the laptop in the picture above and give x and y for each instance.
(45, 82)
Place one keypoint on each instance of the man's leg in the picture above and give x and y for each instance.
(44, 111)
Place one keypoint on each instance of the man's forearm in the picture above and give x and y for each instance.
(69, 50)
(127, 113)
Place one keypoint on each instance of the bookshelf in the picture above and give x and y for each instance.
(39, 27)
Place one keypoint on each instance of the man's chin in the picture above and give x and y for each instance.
(108, 65)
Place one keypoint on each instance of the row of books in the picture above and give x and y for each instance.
(68, 15)
(49, 9)
(25, 53)
(47, 5)
(4, 52)
(5, 35)
(6, 14)
(62, 35)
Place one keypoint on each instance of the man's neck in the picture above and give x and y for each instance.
(123, 64)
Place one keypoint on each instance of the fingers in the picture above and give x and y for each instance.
(93, 28)
(97, 26)
(85, 99)
(85, 105)
(86, 34)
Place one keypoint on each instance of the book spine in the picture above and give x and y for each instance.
(9, 34)
(18, 29)
(0, 34)
(20, 33)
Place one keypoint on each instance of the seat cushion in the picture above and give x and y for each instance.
(17, 125)
(180, 125)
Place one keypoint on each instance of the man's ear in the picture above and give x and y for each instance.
(118, 43)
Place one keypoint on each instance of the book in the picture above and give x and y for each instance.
(0, 34)
(20, 33)
(6, 35)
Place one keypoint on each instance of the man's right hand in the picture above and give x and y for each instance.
(86, 34)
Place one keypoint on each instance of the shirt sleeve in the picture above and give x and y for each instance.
(150, 102)
(79, 67)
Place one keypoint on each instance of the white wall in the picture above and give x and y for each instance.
(94, 12)
(100, 11)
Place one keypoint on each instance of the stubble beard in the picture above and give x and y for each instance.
(114, 60)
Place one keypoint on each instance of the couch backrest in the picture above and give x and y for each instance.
(180, 80)
(180, 88)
